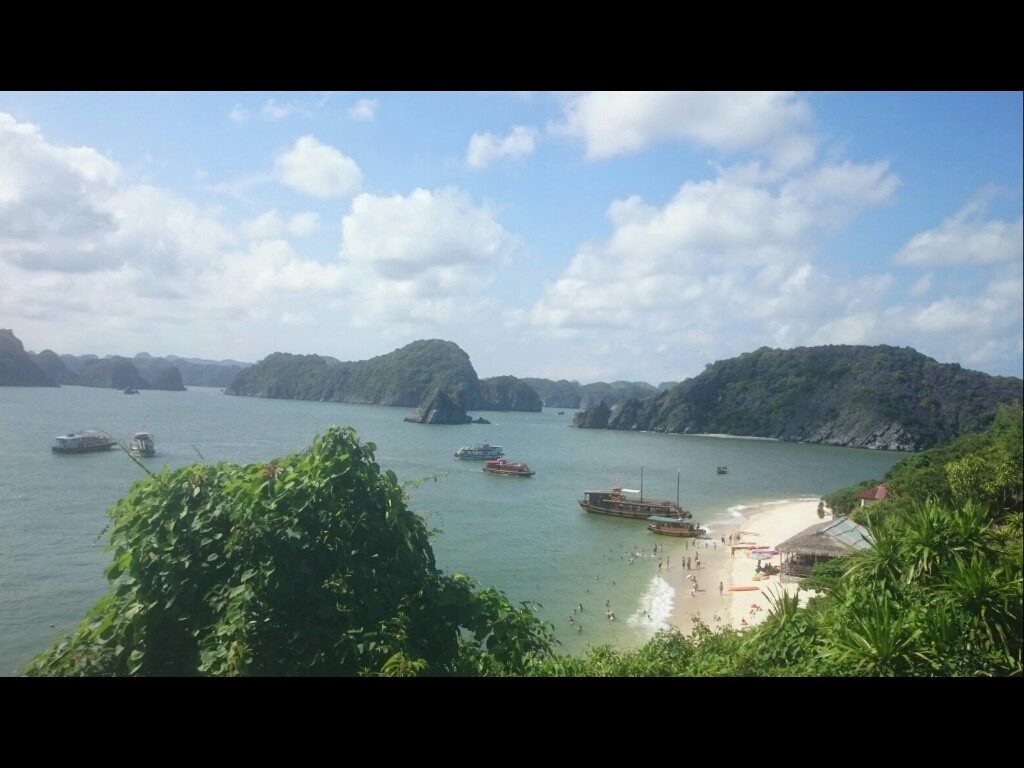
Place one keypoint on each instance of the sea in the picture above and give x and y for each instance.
(526, 536)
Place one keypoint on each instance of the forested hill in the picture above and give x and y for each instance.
(892, 398)
(401, 378)
(192, 371)
(572, 394)
(17, 367)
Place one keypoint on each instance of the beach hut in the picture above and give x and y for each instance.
(820, 542)
(871, 495)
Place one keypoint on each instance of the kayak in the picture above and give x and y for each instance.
(744, 589)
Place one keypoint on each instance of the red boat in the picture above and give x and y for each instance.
(505, 467)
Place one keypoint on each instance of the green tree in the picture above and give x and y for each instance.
(310, 564)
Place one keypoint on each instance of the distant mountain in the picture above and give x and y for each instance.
(49, 361)
(74, 363)
(196, 372)
(507, 393)
(160, 373)
(556, 394)
(404, 377)
(117, 372)
(666, 385)
(17, 367)
(892, 398)
(572, 394)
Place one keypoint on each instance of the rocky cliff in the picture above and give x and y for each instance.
(891, 398)
(401, 378)
(507, 393)
(17, 368)
(439, 408)
(54, 367)
(572, 394)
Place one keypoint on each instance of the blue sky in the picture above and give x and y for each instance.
(578, 235)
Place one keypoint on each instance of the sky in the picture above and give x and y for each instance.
(589, 236)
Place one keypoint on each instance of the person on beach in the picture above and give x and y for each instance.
(687, 563)
(721, 588)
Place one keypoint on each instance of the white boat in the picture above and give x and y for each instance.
(482, 451)
(83, 442)
(142, 444)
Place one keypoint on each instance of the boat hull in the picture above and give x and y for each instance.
(684, 533)
(509, 474)
(85, 449)
(643, 515)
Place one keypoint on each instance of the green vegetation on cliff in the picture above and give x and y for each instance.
(886, 397)
(507, 393)
(17, 367)
(572, 394)
(402, 378)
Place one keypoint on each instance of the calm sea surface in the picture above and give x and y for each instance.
(525, 536)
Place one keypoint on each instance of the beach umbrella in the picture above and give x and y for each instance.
(760, 555)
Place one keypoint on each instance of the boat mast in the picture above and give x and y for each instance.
(677, 487)
(641, 482)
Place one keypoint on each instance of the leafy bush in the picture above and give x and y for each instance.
(307, 565)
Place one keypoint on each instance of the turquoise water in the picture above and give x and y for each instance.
(526, 536)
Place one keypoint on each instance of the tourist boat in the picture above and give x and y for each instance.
(722, 470)
(131, 391)
(625, 502)
(561, 413)
(83, 442)
(142, 444)
(504, 467)
(480, 451)
(674, 526)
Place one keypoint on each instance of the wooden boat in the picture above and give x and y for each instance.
(625, 502)
(674, 526)
(505, 467)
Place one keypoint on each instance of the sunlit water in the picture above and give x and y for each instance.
(526, 536)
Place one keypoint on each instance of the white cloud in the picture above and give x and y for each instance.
(485, 148)
(724, 266)
(965, 238)
(364, 109)
(297, 318)
(614, 123)
(304, 224)
(274, 111)
(922, 285)
(239, 113)
(420, 256)
(318, 170)
(85, 253)
(272, 225)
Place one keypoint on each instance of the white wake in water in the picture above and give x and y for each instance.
(655, 607)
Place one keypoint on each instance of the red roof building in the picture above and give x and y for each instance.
(871, 495)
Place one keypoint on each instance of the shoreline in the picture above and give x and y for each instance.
(768, 524)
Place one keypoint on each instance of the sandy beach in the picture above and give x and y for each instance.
(767, 525)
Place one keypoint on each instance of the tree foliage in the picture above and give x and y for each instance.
(308, 565)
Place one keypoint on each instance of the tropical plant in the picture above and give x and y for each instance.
(309, 564)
